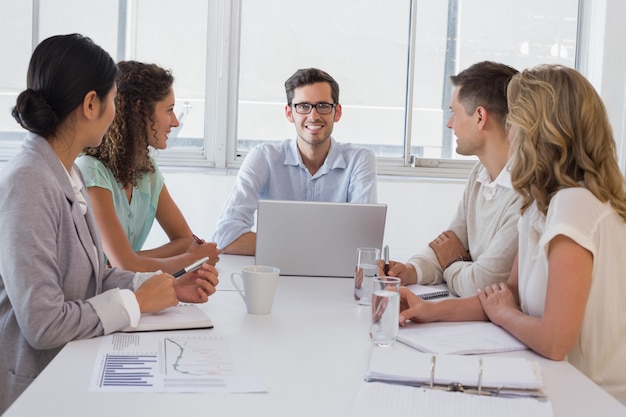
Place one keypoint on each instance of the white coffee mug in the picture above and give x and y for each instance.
(259, 286)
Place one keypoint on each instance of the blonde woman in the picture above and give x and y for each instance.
(565, 295)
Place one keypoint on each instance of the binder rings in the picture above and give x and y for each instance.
(488, 375)
(379, 399)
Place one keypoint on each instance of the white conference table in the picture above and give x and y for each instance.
(312, 352)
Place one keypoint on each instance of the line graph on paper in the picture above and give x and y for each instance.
(195, 361)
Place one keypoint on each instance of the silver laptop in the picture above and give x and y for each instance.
(316, 238)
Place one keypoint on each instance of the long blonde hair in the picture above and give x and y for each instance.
(562, 138)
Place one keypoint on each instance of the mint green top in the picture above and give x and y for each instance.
(137, 216)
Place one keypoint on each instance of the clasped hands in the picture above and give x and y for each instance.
(448, 247)
(163, 290)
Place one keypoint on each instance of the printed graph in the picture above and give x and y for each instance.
(196, 361)
(129, 370)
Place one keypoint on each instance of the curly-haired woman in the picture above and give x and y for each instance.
(125, 186)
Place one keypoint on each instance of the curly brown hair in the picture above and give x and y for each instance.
(124, 148)
(562, 138)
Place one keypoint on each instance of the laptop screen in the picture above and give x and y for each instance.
(316, 238)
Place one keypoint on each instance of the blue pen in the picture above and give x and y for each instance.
(194, 266)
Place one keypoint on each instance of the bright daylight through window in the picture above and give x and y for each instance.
(392, 61)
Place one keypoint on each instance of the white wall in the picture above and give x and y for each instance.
(603, 61)
(418, 209)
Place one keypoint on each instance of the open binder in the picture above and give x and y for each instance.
(378, 399)
(484, 375)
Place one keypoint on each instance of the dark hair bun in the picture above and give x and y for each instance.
(34, 113)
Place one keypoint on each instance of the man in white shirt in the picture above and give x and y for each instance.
(313, 167)
(480, 244)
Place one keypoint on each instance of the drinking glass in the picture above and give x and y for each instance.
(365, 271)
(385, 310)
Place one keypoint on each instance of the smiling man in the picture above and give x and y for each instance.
(313, 167)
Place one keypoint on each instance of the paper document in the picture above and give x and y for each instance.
(460, 338)
(173, 362)
(378, 399)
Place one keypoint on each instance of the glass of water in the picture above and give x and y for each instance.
(385, 310)
(365, 271)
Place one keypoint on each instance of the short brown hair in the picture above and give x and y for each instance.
(309, 76)
(484, 84)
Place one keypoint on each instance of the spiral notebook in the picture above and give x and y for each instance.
(429, 292)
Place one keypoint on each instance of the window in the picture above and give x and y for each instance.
(365, 46)
(174, 37)
(230, 59)
(15, 42)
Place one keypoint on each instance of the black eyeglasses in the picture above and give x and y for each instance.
(306, 108)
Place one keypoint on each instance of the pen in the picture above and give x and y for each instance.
(386, 258)
(197, 239)
(194, 266)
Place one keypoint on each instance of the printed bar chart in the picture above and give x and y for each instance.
(129, 370)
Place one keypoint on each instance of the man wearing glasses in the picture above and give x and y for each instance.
(313, 167)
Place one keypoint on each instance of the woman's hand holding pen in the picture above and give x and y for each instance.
(199, 249)
(163, 290)
(197, 286)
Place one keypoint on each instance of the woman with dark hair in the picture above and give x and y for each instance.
(54, 285)
(125, 186)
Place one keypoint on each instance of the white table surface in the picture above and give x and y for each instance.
(312, 351)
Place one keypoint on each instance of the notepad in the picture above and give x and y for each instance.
(460, 338)
(182, 316)
(429, 292)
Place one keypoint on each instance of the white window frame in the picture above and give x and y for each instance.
(601, 30)
(599, 27)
